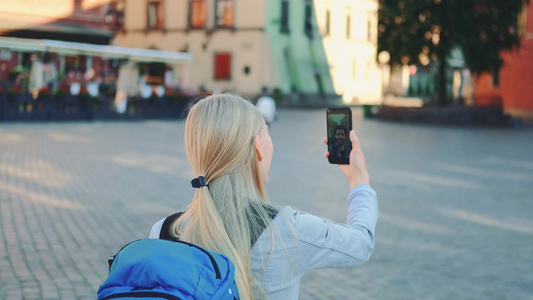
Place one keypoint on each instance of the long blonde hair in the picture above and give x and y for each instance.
(231, 211)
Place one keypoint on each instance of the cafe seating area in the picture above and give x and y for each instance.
(46, 106)
(50, 80)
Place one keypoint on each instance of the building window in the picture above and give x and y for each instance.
(197, 14)
(308, 20)
(114, 16)
(348, 27)
(155, 14)
(224, 13)
(284, 18)
(327, 26)
(368, 68)
(368, 30)
(354, 69)
(372, 28)
(222, 66)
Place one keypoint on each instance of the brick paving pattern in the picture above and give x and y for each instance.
(456, 204)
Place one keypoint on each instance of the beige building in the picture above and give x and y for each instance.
(227, 40)
(349, 31)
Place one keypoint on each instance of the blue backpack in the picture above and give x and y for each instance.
(163, 269)
(167, 268)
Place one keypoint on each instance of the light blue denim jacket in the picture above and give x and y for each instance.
(303, 242)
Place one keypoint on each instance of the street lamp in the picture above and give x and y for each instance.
(383, 59)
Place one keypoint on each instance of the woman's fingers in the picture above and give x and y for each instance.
(355, 140)
(325, 140)
(356, 171)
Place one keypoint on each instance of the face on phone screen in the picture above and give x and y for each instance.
(339, 125)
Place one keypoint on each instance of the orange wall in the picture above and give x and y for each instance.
(517, 75)
(485, 93)
(516, 79)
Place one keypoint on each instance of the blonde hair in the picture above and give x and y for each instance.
(231, 211)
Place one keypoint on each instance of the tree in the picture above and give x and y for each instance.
(419, 31)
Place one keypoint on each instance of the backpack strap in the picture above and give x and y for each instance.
(272, 213)
(164, 234)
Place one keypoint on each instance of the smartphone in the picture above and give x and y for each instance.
(339, 125)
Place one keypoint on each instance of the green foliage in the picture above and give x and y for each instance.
(481, 28)
(19, 72)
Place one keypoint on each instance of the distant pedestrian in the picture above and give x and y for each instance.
(229, 148)
(267, 106)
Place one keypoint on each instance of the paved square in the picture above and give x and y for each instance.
(456, 204)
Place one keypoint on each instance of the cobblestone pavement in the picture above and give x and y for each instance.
(456, 204)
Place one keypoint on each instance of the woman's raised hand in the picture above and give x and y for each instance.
(355, 172)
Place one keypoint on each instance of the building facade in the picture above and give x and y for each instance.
(244, 46)
(226, 49)
(514, 91)
(63, 46)
(349, 34)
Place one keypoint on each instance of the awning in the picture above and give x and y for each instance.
(72, 49)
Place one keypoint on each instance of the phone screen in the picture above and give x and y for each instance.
(339, 125)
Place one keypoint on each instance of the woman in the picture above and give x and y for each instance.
(230, 150)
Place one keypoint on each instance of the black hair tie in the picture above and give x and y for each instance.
(198, 182)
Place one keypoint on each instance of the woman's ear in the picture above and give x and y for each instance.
(257, 146)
